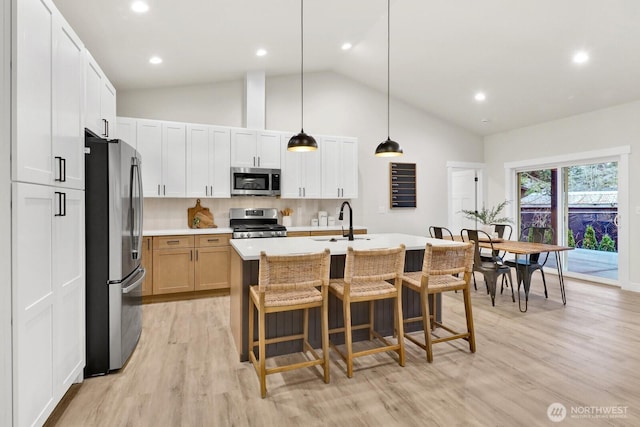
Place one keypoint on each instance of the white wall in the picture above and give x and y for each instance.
(216, 103)
(598, 130)
(5, 216)
(334, 105)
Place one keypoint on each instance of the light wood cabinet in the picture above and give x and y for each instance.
(147, 264)
(190, 263)
(173, 262)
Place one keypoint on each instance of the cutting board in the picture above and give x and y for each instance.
(203, 215)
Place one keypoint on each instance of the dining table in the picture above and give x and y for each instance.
(522, 248)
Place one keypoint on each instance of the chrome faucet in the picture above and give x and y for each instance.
(341, 217)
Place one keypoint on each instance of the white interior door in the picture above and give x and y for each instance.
(465, 194)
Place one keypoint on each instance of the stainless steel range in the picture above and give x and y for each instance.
(258, 222)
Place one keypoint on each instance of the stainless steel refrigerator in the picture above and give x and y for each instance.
(113, 216)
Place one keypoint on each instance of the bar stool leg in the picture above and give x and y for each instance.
(346, 308)
(325, 336)
(263, 353)
(426, 321)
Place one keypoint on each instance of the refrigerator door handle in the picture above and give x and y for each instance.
(136, 283)
(135, 213)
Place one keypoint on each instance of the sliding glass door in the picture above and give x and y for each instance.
(580, 203)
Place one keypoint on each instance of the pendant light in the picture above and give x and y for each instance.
(302, 141)
(388, 148)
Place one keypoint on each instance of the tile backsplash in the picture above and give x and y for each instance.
(167, 213)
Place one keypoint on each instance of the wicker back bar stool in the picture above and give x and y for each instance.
(285, 283)
(437, 276)
(367, 274)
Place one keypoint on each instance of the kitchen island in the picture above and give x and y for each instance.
(245, 257)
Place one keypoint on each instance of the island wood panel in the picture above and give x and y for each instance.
(245, 273)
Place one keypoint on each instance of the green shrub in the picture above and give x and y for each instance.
(589, 241)
(607, 244)
(571, 239)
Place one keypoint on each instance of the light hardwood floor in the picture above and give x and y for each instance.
(185, 371)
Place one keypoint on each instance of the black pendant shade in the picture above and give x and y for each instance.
(302, 142)
(389, 148)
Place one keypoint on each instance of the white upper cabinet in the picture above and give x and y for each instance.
(149, 142)
(208, 161)
(174, 145)
(339, 168)
(255, 149)
(48, 91)
(100, 100)
(301, 173)
(126, 131)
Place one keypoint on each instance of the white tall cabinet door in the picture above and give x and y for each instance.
(32, 60)
(34, 395)
(339, 168)
(243, 148)
(126, 131)
(173, 159)
(291, 174)
(93, 90)
(268, 150)
(68, 263)
(312, 174)
(149, 139)
(68, 105)
(349, 168)
(331, 164)
(221, 162)
(199, 161)
(108, 107)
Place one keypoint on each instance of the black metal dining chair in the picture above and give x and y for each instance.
(440, 232)
(525, 267)
(492, 269)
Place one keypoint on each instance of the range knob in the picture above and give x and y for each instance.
(260, 233)
(246, 235)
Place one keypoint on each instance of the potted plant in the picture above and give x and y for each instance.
(487, 216)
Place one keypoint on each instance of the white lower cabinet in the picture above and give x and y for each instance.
(48, 297)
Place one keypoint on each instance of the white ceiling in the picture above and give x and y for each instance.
(442, 52)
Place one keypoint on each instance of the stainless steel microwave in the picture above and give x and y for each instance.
(255, 182)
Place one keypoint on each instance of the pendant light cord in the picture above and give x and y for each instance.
(302, 65)
(388, 65)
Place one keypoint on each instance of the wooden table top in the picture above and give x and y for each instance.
(523, 248)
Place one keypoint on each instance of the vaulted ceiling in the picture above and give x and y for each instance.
(519, 53)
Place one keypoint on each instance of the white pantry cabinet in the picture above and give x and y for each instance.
(255, 149)
(208, 161)
(339, 168)
(301, 173)
(48, 143)
(48, 299)
(100, 100)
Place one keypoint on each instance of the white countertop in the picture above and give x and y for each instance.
(224, 230)
(187, 231)
(249, 249)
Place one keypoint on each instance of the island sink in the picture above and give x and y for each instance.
(335, 239)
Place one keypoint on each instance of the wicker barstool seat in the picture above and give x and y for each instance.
(366, 278)
(285, 298)
(287, 283)
(364, 289)
(439, 266)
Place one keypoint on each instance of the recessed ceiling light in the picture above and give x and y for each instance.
(480, 96)
(261, 52)
(155, 60)
(580, 57)
(139, 7)
(347, 46)
(485, 121)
